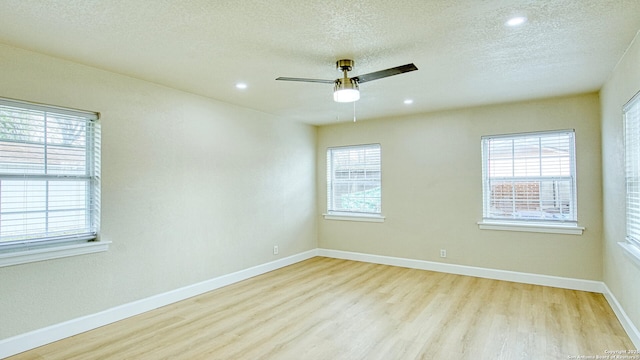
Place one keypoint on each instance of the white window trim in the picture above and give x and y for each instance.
(40, 251)
(354, 217)
(632, 252)
(531, 227)
(345, 215)
(631, 246)
(52, 252)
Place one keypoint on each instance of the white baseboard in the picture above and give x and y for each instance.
(526, 278)
(20, 343)
(626, 322)
(17, 344)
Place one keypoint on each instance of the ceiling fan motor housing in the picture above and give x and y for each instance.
(345, 89)
(345, 64)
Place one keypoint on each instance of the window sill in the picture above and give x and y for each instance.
(27, 256)
(354, 217)
(528, 227)
(632, 251)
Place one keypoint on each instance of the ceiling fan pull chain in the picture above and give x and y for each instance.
(354, 111)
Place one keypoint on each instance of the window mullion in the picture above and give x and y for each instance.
(89, 172)
(540, 172)
(46, 172)
(513, 174)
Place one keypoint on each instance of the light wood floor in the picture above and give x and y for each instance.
(335, 309)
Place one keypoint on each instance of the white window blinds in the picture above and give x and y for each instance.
(49, 174)
(530, 177)
(353, 179)
(632, 168)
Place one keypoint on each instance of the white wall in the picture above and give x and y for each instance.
(620, 274)
(432, 189)
(192, 189)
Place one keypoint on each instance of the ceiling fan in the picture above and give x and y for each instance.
(346, 89)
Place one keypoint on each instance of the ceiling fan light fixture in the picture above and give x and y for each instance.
(346, 91)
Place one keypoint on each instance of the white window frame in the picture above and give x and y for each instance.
(333, 211)
(31, 246)
(631, 119)
(545, 225)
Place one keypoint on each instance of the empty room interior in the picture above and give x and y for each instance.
(320, 179)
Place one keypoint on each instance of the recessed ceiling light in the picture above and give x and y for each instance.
(516, 20)
(241, 86)
(408, 101)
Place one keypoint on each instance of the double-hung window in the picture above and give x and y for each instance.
(49, 181)
(529, 182)
(354, 182)
(631, 113)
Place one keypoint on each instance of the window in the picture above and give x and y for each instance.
(631, 113)
(49, 177)
(353, 181)
(529, 179)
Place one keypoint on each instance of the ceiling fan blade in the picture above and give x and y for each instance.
(307, 80)
(384, 73)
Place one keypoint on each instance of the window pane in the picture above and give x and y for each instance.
(353, 179)
(21, 141)
(49, 172)
(547, 200)
(530, 177)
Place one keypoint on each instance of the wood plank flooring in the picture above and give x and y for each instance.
(337, 309)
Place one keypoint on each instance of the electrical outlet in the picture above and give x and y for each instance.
(275, 250)
(443, 253)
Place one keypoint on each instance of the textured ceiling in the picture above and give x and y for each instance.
(465, 54)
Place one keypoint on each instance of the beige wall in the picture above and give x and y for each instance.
(191, 189)
(432, 192)
(620, 274)
(194, 188)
